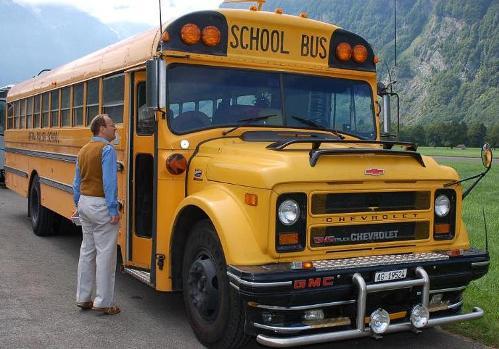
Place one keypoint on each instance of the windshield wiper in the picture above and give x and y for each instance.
(249, 120)
(318, 126)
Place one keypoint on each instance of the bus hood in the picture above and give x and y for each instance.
(252, 164)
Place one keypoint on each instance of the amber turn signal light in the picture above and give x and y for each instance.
(441, 228)
(176, 164)
(211, 36)
(344, 51)
(288, 238)
(190, 34)
(251, 199)
(359, 54)
(165, 37)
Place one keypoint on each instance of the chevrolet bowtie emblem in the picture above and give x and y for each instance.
(374, 172)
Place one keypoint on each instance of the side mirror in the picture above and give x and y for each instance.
(156, 84)
(486, 155)
(385, 92)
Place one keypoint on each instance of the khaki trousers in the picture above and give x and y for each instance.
(97, 264)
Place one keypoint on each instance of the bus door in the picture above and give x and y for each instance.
(141, 185)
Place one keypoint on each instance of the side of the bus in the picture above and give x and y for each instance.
(44, 132)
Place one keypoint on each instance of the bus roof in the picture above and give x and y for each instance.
(116, 57)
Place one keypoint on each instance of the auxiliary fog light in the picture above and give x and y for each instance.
(380, 320)
(311, 315)
(267, 317)
(419, 316)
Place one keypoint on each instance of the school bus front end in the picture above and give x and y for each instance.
(299, 225)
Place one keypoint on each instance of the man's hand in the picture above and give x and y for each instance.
(115, 219)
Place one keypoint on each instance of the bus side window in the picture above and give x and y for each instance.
(2, 115)
(54, 108)
(206, 107)
(10, 116)
(113, 93)
(22, 120)
(16, 114)
(45, 110)
(29, 113)
(92, 105)
(78, 105)
(36, 115)
(174, 110)
(65, 104)
(145, 119)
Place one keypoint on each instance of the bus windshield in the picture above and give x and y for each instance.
(206, 97)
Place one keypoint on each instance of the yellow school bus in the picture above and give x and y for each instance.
(253, 177)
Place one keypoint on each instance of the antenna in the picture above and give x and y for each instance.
(160, 20)
(395, 27)
(259, 2)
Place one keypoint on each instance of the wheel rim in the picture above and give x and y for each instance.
(203, 287)
(35, 204)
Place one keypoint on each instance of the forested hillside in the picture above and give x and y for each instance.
(447, 52)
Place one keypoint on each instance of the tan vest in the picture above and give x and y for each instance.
(90, 164)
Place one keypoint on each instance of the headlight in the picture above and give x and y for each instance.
(289, 212)
(442, 206)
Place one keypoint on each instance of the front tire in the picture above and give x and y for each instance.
(213, 308)
(42, 219)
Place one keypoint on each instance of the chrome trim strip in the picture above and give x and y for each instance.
(43, 154)
(279, 342)
(304, 307)
(140, 275)
(257, 284)
(372, 261)
(282, 330)
(58, 185)
(480, 264)
(451, 289)
(15, 171)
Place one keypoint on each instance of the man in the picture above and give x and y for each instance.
(96, 198)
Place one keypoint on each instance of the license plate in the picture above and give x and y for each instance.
(390, 275)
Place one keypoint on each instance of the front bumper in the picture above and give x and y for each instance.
(346, 292)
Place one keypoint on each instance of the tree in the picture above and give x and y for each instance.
(476, 134)
(493, 136)
(455, 133)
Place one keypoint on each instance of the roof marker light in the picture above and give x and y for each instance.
(190, 34)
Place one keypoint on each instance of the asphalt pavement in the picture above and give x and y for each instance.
(37, 301)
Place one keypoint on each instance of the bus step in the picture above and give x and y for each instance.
(142, 276)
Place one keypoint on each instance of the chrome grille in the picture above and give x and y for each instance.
(371, 261)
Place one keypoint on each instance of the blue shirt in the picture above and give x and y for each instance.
(109, 177)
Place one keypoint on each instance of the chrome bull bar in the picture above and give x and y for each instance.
(361, 331)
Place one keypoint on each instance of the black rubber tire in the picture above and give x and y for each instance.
(226, 328)
(42, 219)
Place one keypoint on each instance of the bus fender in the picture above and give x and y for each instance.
(239, 241)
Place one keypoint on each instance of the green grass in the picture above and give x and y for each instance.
(484, 292)
(443, 151)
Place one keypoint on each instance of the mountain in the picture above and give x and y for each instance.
(44, 37)
(447, 51)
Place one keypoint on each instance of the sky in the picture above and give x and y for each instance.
(138, 11)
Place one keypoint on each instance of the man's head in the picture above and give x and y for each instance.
(103, 126)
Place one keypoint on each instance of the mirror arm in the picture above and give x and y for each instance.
(467, 191)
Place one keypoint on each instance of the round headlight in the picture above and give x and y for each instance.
(380, 320)
(289, 212)
(419, 316)
(442, 206)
